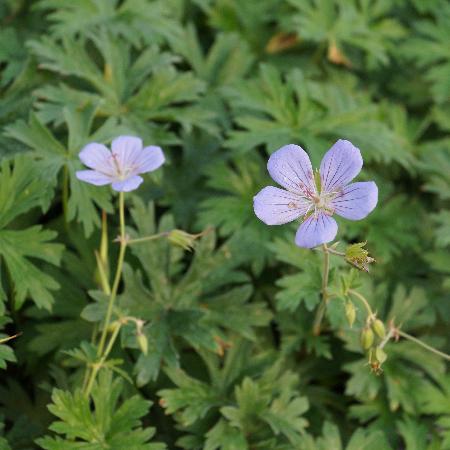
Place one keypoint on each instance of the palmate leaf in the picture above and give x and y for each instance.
(54, 158)
(228, 59)
(16, 247)
(246, 412)
(436, 400)
(251, 19)
(139, 92)
(22, 189)
(360, 440)
(429, 49)
(109, 424)
(275, 109)
(364, 27)
(124, 19)
(12, 55)
(435, 163)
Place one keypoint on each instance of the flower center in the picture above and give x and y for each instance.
(122, 172)
(322, 202)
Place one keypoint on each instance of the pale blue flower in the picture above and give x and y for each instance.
(291, 168)
(121, 166)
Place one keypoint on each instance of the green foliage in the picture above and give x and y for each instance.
(109, 424)
(219, 340)
(366, 28)
(23, 188)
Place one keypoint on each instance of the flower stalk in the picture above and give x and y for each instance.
(118, 275)
(325, 297)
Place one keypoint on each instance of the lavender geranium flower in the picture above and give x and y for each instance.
(121, 166)
(291, 168)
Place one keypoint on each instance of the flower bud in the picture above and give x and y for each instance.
(182, 239)
(350, 312)
(367, 338)
(142, 342)
(380, 355)
(379, 329)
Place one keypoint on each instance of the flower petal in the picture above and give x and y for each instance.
(291, 168)
(96, 156)
(356, 201)
(340, 165)
(93, 177)
(130, 184)
(149, 159)
(126, 149)
(316, 230)
(276, 206)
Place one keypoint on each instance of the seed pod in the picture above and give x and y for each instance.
(143, 343)
(367, 338)
(380, 355)
(379, 329)
(350, 312)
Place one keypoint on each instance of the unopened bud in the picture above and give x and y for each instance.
(379, 329)
(367, 338)
(380, 355)
(350, 312)
(182, 239)
(142, 342)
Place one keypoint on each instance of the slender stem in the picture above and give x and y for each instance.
(115, 286)
(323, 305)
(363, 300)
(148, 238)
(335, 252)
(389, 335)
(422, 344)
(99, 364)
(65, 194)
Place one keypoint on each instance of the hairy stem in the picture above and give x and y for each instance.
(118, 275)
(148, 238)
(97, 366)
(363, 300)
(323, 305)
(422, 344)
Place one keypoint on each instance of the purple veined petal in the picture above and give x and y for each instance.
(340, 165)
(149, 159)
(316, 230)
(130, 184)
(126, 149)
(96, 156)
(276, 206)
(356, 201)
(93, 177)
(291, 168)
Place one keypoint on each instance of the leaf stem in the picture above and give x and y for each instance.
(148, 238)
(335, 252)
(323, 305)
(422, 344)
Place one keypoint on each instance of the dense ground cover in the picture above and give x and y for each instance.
(215, 347)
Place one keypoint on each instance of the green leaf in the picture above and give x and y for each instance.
(112, 423)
